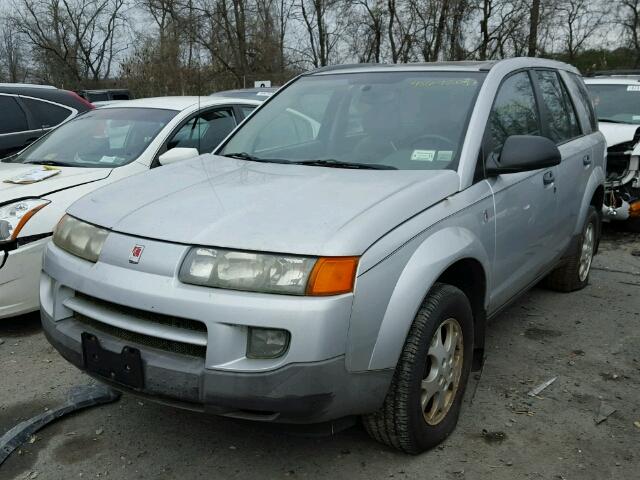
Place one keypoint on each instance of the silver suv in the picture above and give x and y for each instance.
(340, 253)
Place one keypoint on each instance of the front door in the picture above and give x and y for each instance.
(526, 202)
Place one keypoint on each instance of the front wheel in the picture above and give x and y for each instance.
(423, 402)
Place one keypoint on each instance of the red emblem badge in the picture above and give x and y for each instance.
(136, 253)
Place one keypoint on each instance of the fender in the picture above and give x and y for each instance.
(427, 263)
(595, 180)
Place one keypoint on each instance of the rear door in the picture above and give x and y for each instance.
(525, 202)
(562, 127)
(14, 128)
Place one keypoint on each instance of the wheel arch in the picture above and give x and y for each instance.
(453, 255)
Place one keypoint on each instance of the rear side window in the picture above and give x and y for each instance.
(585, 100)
(247, 109)
(562, 121)
(514, 111)
(12, 118)
(46, 115)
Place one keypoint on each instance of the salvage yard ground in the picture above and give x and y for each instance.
(589, 340)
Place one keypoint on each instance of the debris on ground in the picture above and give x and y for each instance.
(604, 412)
(79, 397)
(493, 437)
(537, 390)
(637, 423)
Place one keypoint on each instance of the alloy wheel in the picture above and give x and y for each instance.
(586, 254)
(443, 371)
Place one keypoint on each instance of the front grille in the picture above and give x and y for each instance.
(83, 307)
(146, 340)
(152, 317)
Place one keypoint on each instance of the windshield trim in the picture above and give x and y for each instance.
(479, 75)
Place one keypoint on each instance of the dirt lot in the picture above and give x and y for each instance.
(590, 340)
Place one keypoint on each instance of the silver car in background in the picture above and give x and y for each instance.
(341, 251)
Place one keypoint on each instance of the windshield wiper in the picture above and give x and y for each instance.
(252, 158)
(330, 162)
(611, 121)
(51, 163)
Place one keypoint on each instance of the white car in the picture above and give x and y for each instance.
(616, 97)
(95, 149)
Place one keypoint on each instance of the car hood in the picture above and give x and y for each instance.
(230, 203)
(616, 133)
(68, 177)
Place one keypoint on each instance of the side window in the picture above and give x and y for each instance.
(563, 124)
(514, 111)
(205, 131)
(13, 118)
(247, 109)
(585, 100)
(46, 115)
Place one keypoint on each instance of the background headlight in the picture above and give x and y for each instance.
(15, 215)
(269, 273)
(80, 238)
(256, 272)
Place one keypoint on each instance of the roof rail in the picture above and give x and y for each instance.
(616, 73)
(26, 85)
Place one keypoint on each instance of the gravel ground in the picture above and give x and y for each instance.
(589, 340)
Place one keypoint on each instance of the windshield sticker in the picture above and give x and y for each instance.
(633, 88)
(423, 155)
(106, 159)
(445, 155)
(33, 176)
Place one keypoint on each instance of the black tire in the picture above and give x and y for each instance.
(566, 278)
(400, 422)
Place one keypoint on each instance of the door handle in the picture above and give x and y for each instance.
(586, 160)
(548, 177)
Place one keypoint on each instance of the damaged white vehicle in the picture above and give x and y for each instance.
(616, 97)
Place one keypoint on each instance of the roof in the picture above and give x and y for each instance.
(25, 85)
(260, 94)
(465, 66)
(178, 103)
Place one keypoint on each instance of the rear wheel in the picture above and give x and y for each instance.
(574, 273)
(423, 403)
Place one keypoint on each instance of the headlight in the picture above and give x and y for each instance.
(80, 238)
(268, 273)
(15, 215)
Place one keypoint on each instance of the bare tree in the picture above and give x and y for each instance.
(578, 21)
(629, 18)
(534, 20)
(12, 55)
(74, 41)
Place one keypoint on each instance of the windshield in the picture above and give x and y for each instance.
(109, 137)
(616, 103)
(400, 120)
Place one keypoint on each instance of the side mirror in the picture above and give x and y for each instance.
(522, 153)
(177, 155)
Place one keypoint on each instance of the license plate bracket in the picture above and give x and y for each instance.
(124, 367)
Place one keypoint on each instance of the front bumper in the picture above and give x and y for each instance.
(19, 279)
(119, 305)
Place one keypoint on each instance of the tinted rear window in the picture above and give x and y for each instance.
(46, 114)
(13, 118)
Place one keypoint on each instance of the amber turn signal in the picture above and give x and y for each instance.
(333, 276)
(25, 219)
